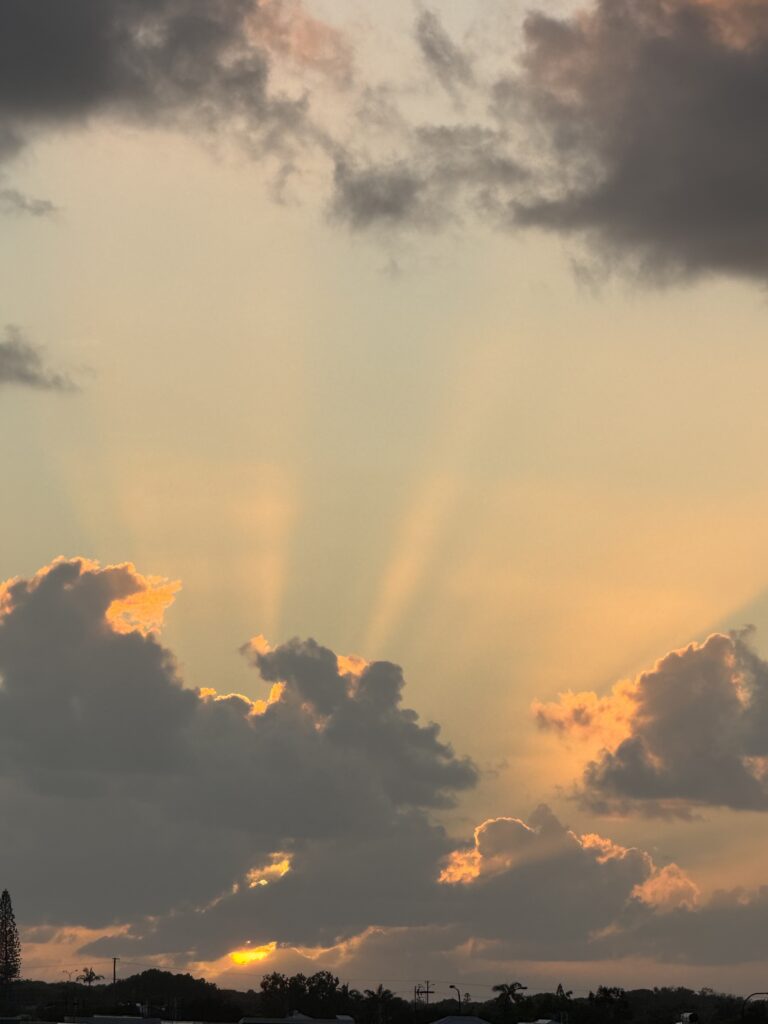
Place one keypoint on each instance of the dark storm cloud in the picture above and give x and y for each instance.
(654, 115)
(22, 364)
(691, 732)
(446, 60)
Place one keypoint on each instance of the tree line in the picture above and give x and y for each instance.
(156, 993)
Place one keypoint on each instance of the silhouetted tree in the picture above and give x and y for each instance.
(378, 999)
(611, 1003)
(509, 994)
(10, 947)
(322, 995)
(88, 976)
(274, 994)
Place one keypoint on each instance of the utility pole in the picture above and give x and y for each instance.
(114, 968)
(427, 992)
(67, 986)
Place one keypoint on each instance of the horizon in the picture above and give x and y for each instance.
(406, 995)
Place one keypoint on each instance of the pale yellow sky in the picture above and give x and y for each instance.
(438, 448)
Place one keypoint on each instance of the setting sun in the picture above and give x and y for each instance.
(252, 956)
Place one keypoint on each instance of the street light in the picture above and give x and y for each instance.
(458, 994)
(744, 1004)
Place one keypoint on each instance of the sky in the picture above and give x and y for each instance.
(381, 420)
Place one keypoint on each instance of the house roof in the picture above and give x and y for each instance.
(463, 1019)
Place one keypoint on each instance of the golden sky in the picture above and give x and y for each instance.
(377, 354)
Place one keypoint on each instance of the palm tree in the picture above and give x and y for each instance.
(379, 998)
(89, 976)
(509, 993)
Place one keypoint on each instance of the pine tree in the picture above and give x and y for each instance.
(10, 947)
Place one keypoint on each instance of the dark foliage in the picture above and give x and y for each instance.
(157, 993)
(10, 947)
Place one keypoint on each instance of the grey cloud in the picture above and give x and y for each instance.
(363, 716)
(446, 60)
(654, 113)
(13, 201)
(449, 168)
(22, 365)
(379, 195)
(635, 124)
(182, 794)
(694, 733)
(171, 61)
(564, 890)
(729, 929)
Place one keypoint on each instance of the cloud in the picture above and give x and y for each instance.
(445, 59)
(13, 201)
(22, 365)
(691, 732)
(634, 124)
(201, 63)
(653, 115)
(302, 825)
(565, 890)
(178, 794)
(268, 75)
(449, 169)
(391, 194)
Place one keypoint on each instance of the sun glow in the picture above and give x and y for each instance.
(279, 865)
(143, 610)
(252, 955)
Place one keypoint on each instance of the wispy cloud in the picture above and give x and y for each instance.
(14, 201)
(22, 364)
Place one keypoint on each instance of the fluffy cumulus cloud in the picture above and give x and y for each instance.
(204, 822)
(653, 110)
(691, 732)
(181, 794)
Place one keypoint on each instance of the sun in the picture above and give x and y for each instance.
(253, 954)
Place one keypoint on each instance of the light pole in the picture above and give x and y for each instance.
(751, 996)
(67, 986)
(458, 994)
